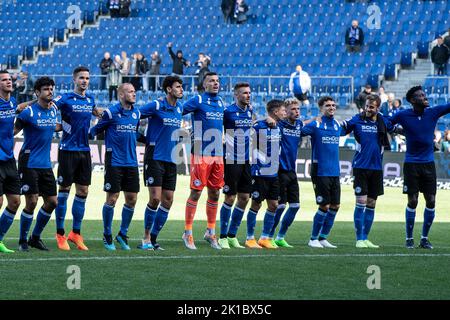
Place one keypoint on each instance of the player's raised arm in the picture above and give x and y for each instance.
(23, 105)
(149, 109)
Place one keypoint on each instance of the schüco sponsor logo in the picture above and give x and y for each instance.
(291, 132)
(81, 108)
(122, 127)
(214, 115)
(243, 123)
(7, 113)
(172, 122)
(46, 121)
(369, 128)
(333, 140)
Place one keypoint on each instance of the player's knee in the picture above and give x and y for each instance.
(371, 203)
(195, 195)
(51, 204)
(430, 201)
(229, 199)
(167, 203)
(154, 202)
(412, 202)
(272, 206)
(361, 200)
(13, 204)
(334, 207)
(243, 200)
(82, 191)
(324, 207)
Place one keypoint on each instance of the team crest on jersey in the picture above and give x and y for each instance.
(319, 199)
(197, 182)
(25, 188)
(52, 113)
(226, 188)
(220, 103)
(88, 100)
(39, 114)
(249, 114)
(336, 127)
(107, 186)
(358, 189)
(74, 99)
(150, 180)
(11, 104)
(60, 179)
(255, 194)
(405, 188)
(57, 98)
(134, 116)
(178, 110)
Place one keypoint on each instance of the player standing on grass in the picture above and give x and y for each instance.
(238, 121)
(287, 175)
(419, 169)
(38, 122)
(325, 171)
(160, 170)
(120, 123)
(74, 156)
(265, 183)
(207, 166)
(9, 177)
(370, 130)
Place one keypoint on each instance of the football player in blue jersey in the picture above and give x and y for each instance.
(160, 169)
(325, 171)
(38, 122)
(370, 130)
(9, 178)
(74, 157)
(237, 122)
(419, 169)
(120, 123)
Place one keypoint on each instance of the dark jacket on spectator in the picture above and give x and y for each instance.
(361, 99)
(358, 42)
(178, 63)
(105, 64)
(440, 54)
(155, 65)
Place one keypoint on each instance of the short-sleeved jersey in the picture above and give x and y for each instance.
(266, 152)
(207, 124)
(39, 125)
(7, 116)
(290, 140)
(325, 146)
(238, 123)
(419, 131)
(120, 128)
(369, 152)
(76, 113)
(163, 129)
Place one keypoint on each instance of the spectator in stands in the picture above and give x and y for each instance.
(354, 37)
(114, 8)
(447, 39)
(24, 87)
(240, 12)
(439, 56)
(155, 64)
(124, 8)
(445, 146)
(143, 69)
(300, 85)
(437, 141)
(382, 94)
(361, 99)
(104, 67)
(114, 78)
(125, 67)
(179, 62)
(203, 64)
(387, 106)
(227, 8)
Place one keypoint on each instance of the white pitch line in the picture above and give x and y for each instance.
(345, 255)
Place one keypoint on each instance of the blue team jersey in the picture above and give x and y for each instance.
(266, 155)
(120, 128)
(290, 140)
(7, 116)
(369, 152)
(419, 131)
(207, 112)
(325, 146)
(163, 129)
(38, 128)
(237, 123)
(76, 113)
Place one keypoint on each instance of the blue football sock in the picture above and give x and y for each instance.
(26, 218)
(277, 217)
(236, 219)
(127, 215)
(288, 218)
(225, 213)
(149, 217)
(410, 218)
(428, 217)
(251, 223)
(369, 215)
(358, 218)
(328, 223)
(108, 213)
(6, 221)
(268, 223)
(41, 221)
(318, 221)
(78, 208)
(160, 220)
(61, 209)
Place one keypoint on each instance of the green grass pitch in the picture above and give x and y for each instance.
(297, 273)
